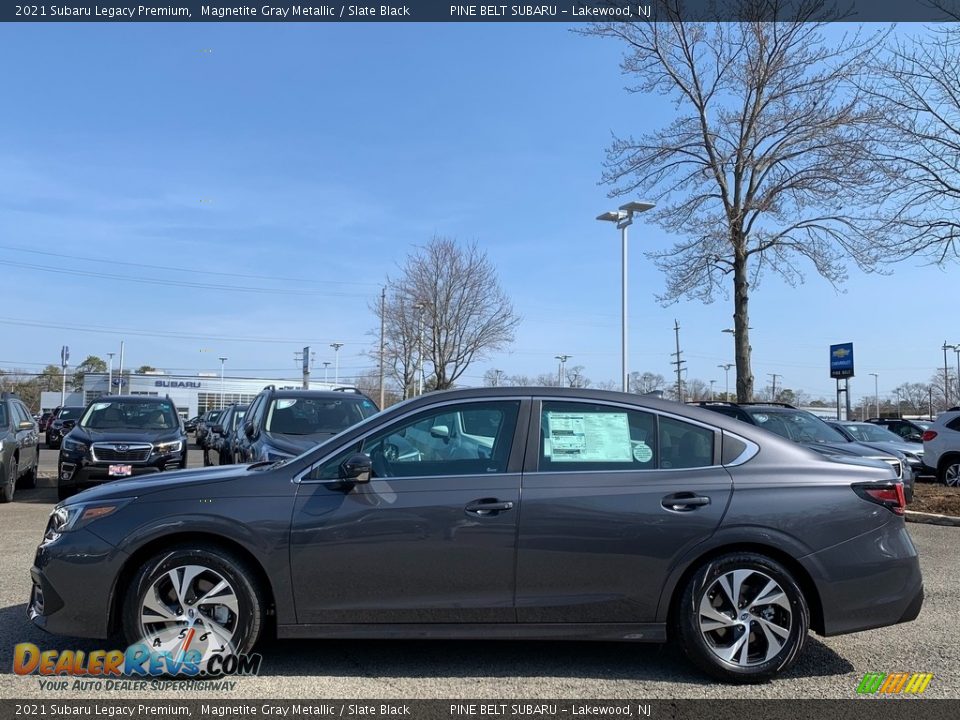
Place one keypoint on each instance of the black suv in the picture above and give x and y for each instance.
(223, 435)
(60, 424)
(207, 421)
(119, 436)
(909, 430)
(19, 447)
(281, 424)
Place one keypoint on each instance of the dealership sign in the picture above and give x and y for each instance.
(841, 360)
(177, 384)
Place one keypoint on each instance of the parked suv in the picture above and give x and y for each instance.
(223, 434)
(207, 420)
(909, 430)
(281, 424)
(19, 447)
(807, 429)
(60, 424)
(120, 436)
(941, 447)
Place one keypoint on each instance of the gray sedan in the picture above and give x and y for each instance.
(883, 439)
(521, 513)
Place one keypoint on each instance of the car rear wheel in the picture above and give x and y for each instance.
(198, 588)
(10, 482)
(949, 473)
(742, 618)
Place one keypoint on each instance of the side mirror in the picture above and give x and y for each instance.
(915, 437)
(248, 430)
(218, 429)
(358, 469)
(26, 425)
(440, 431)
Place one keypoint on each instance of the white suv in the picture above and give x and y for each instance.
(941, 448)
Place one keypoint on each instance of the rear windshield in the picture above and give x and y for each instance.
(130, 414)
(868, 431)
(796, 425)
(70, 413)
(306, 416)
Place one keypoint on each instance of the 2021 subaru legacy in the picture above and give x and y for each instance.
(498, 513)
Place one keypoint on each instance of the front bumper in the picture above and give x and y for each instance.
(80, 470)
(73, 585)
(869, 581)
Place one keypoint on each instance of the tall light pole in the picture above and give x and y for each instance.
(110, 376)
(957, 350)
(420, 307)
(726, 372)
(624, 218)
(326, 365)
(712, 396)
(899, 414)
(336, 362)
(563, 362)
(64, 361)
(876, 391)
(946, 375)
(222, 361)
(496, 377)
(121, 369)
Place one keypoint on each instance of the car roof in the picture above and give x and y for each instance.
(325, 394)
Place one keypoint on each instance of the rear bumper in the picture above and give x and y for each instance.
(867, 582)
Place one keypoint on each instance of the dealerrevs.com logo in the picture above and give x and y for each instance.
(140, 660)
(894, 683)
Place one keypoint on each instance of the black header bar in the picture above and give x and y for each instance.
(581, 11)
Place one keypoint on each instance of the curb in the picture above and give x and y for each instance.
(931, 518)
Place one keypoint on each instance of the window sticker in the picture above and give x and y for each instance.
(588, 437)
(642, 452)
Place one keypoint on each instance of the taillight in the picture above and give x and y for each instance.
(888, 494)
(928, 435)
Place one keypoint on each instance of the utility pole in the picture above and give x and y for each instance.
(679, 362)
(121, 369)
(563, 362)
(336, 362)
(773, 386)
(383, 325)
(876, 391)
(496, 377)
(110, 376)
(899, 414)
(64, 361)
(306, 368)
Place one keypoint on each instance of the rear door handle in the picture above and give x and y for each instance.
(487, 507)
(684, 501)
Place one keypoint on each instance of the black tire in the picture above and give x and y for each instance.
(251, 611)
(948, 470)
(702, 646)
(9, 486)
(29, 480)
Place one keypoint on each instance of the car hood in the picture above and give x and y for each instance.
(894, 447)
(128, 436)
(297, 444)
(146, 484)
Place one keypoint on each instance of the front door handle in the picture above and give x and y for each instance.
(487, 507)
(684, 501)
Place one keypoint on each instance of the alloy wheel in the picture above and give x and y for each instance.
(190, 607)
(951, 475)
(745, 617)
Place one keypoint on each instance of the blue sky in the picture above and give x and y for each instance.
(305, 161)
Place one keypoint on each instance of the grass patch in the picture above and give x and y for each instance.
(935, 498)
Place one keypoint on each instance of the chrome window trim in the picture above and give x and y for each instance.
(749, 452)
(299, 477)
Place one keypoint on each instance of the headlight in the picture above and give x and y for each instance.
(74, 446)
(167, 448)
(73, 517)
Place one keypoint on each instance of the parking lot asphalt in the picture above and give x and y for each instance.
(828, 667)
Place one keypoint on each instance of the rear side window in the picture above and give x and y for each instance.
(579, 437)
(683, 445)
(954, 424)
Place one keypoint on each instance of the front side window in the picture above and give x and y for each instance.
(580, 436)
(130, 414)
(70, 413)
(437, 443)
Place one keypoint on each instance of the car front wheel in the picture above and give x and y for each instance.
(742, 618)
(194, 588)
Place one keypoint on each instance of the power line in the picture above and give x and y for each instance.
(177, 283)
(111, 261)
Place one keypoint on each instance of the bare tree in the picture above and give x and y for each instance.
(646, 382)
(767, 158)
(916, 90)
(401, 341)
(449, 293)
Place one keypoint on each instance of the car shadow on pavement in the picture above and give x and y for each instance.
(446, 658)
(36, 496)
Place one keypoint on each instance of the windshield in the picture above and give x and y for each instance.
(70, 413)
(877, 433)
(214, 416)
(130, 414)
(796, 425)
(306, 416)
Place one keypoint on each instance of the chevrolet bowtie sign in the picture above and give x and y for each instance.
(841, 360)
